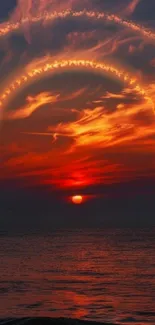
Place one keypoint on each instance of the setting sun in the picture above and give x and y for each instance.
(77, 199)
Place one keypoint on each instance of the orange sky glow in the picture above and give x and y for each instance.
(82, 112)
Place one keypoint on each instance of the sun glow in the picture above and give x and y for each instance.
(77, 199)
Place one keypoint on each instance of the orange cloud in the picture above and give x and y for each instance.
(43, 69)
(96, 127)
(25, 16)
(131, 7)
(78, 165)
(98, 142)
(53, 168)
(33, 103)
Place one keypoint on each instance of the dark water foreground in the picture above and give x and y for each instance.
(47, 321)
(106, 276)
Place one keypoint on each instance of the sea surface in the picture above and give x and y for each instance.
(102, 275)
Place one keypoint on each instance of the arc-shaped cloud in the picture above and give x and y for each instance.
(9, 27)
(44, 69)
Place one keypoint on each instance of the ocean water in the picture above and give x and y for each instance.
(102, 275)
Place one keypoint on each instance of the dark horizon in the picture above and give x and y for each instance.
(40, 209)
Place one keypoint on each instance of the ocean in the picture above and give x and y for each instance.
(102, 275)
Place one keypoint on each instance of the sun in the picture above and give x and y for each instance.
(77, 199)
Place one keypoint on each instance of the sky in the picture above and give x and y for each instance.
(77, 113)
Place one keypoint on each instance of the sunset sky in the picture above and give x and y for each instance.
(77, 112)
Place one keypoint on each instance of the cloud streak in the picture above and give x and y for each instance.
(33, 103)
